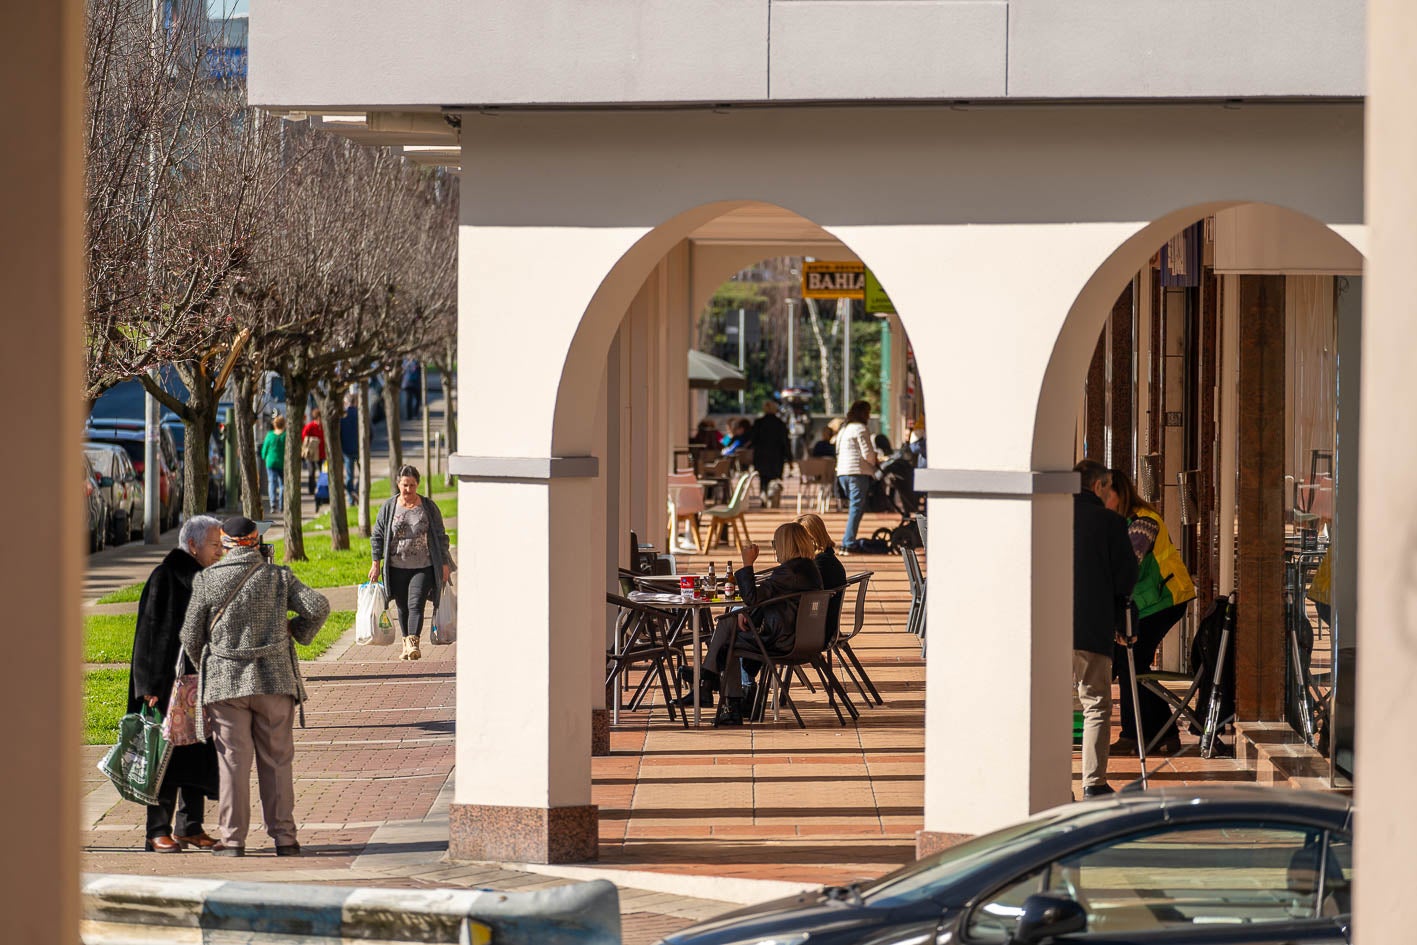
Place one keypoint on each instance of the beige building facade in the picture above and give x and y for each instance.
(1004, 196)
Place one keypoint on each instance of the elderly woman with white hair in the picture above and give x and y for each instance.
(192, 771)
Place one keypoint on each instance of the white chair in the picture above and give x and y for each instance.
(686, 504)
(815, 473)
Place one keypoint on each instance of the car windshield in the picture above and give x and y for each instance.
(928, 878)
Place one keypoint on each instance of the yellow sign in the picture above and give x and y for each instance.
(833, 280)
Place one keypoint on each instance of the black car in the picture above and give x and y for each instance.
(1183, 867)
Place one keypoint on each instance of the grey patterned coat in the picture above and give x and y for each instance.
(250, 651)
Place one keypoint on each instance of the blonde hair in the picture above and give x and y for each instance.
(792, 541)
(817, 531)
(278, 424)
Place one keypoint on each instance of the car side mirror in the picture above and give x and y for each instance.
(1046, 916)
(105, 481)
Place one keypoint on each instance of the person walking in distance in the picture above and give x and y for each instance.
(273, 455)
(411, 388)
(239, 635)
(191, 776)
(312, 447)
(349, 446)
(856, 462)
(410, 547)
(1104, 573)
(771, 449)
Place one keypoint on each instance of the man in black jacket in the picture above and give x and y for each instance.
(1104, 573)
(771, 449)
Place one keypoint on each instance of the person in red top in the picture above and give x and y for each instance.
(314, 457)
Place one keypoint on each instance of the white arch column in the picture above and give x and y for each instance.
(533, 545)
(998, 674)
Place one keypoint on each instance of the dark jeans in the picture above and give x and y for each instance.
(187, 802)
(1155, 712)
(856, 489)
(727, 660)
(351, 489)
(412, 402)
(410, 589)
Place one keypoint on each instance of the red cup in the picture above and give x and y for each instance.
(686, 585)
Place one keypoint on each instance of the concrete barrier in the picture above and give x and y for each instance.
(116, 907)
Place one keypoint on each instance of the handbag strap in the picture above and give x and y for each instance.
(232, 596)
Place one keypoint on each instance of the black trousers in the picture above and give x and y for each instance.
(1151, 630)
(187, 802)
(410, 589)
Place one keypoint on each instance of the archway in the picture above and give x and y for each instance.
(1243, 447)
(633, 448)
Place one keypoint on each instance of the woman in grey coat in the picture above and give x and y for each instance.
(410, 546)
(239, 637)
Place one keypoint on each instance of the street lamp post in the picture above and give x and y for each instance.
(791, 349)
(742, 361)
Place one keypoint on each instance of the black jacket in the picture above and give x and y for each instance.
(833, 574)
(771, 446)
(1104, 573)
(777, 623)
(161, 611)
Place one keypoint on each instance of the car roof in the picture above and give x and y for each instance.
(1172, 797)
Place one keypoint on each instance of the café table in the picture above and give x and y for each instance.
(662, 591)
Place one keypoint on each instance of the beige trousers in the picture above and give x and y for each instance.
(258, 728)
(1093, 672)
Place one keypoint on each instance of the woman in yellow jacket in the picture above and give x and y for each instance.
(1162, 591)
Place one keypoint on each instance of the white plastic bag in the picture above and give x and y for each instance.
(445, 618)
(371, 626)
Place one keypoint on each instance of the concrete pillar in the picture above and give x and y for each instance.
(1385, 910)
(992, 758)
(524, 732)
(1229, 430)
(41, 268)
(1259, 646)
(1120, 421)
(1095, 403)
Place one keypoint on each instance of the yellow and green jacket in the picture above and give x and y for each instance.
(1163, 580)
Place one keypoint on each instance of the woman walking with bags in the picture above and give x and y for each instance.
(410, 547)
(191, 775)
(239, 636)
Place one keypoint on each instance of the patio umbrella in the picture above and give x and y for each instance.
(709, 373)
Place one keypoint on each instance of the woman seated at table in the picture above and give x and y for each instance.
(776, 623)
(828, 565)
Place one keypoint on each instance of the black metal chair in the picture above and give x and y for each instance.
(915, 622)
(810, 648)
(1211, 685)
(841, 642)
(642, 633)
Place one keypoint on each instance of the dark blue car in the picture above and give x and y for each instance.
(1183, 867)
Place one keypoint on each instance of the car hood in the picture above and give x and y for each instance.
(808, 912)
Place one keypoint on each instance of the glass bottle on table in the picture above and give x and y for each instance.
(712, 584)
(730, 587)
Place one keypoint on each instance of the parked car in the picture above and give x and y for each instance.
(129, 434)
(96, 507)
(216, 467)
(1224, 865)
(121, 487)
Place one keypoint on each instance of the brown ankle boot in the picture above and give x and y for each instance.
(412, 643)
(407, 648)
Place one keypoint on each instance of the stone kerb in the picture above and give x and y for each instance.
(580, 913)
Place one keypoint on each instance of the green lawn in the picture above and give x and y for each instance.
(106, 690)
(108, 638)
(124, 595)
(379, 489)
(327, 567)
(105, 698)
(334, 628)
(447, 503)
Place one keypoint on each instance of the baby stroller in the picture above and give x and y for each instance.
(893, 489)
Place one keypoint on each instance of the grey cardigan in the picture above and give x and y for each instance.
(439, 549)
(250, 651)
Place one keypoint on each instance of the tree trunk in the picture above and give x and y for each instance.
(332, 407)
(450, 425)
(252, 504)
(824, 371)
(365, 523)
(297, 391)
(391, 427)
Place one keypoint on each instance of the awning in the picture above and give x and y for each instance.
(709, 373)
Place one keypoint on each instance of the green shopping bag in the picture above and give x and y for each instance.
(137, 762)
